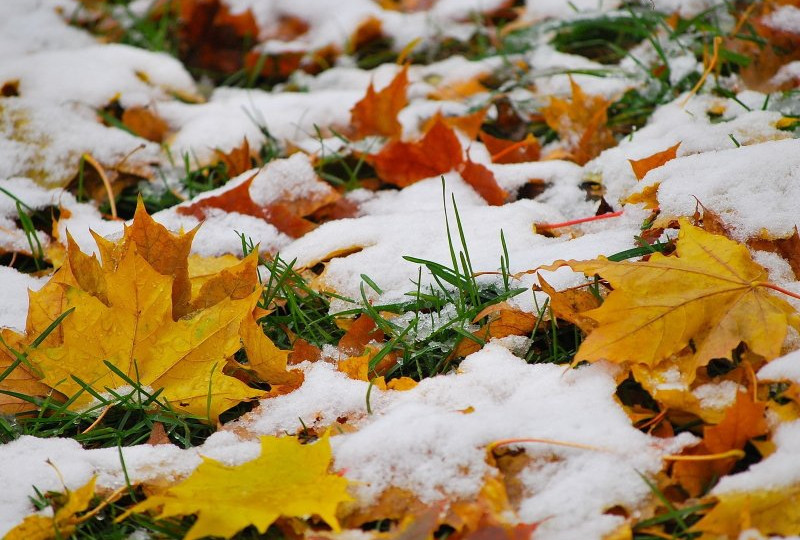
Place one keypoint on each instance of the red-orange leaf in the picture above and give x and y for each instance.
(643, 166)
(506, 151)
(403, 163)
(483, 181)
(376, 113)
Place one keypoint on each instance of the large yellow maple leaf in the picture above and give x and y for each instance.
(62, 523)
(287, 479)
(123, 312)
(771, 512)
(711, 298)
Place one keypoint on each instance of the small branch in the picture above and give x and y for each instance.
(506, 442)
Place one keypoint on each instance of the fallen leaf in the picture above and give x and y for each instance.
(376, 113)
(771, 512)
(502, 320)
(711, 294)
(642, 166)
(459, 91)
(145, 123)
(570, 304)
(63, 523)
(580, 123)
(238, 160)
(469, 124)
(22, 379)
(507, 151)
(743, 421)
(483, 181)
(288, 479)
(404, 163)
(360, 333)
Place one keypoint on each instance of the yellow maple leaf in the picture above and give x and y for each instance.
(136, 333)
(287, 479)
(64, 520)
(711, 297)
(772, 512)
(123, 312)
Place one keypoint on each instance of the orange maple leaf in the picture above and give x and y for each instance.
(642, 166)
(404, 163)
(580, 123)
(743, 421)
(376, 113)
(483, 181)
(506, 151)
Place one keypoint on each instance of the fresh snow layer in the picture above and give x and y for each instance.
(754, 189)
(431, 440)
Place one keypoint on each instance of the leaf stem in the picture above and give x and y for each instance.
(607, 215)
(778, 288)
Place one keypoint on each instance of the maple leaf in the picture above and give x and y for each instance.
(743, 421)
(771, 512)
(145, 123)
(506, 151)
(642, 166)
(580, 123)
(62, 523)
(403, 163)
(483, 181)
(376, 113)
(237, 160)
(502, 320)
(19, 377)
(711, 295)
(288, 479)
(122, 312)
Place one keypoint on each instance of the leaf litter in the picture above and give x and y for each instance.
(386, 246)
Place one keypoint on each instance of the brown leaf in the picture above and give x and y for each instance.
(404, 163)
(158, 435)
(303, 351)
(642, 166)
(469, 124)
(376, 113)
(362, 332)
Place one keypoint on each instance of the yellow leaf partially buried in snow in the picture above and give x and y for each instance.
(288, 479)
(62, 523)
(711, 296)
(771, 512)
(136, 333)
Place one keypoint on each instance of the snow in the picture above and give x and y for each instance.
(421, 439)
(752, 188)
(432, 439)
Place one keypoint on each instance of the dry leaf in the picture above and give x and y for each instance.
(506, 151)
(580, 123)
(22, 379)
(237, 160)
(743, 421)
(483, 181)
(503, 320)
(145, 123)
(642, 166)
(468, 124)
(570, 304)
(404, 163)
(288, 479)
(376, 113)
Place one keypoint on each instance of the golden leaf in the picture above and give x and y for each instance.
(60, 525)
(711, 296)
(288, 479)
(772, 512)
